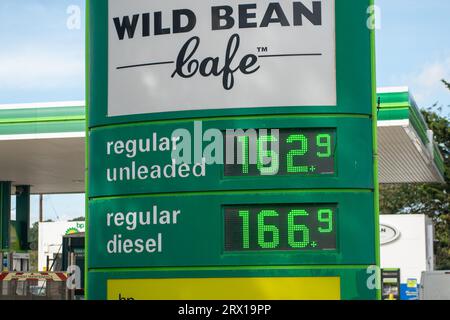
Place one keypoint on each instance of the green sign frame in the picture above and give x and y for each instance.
(352, 168)
(198, 237)
(354, 117)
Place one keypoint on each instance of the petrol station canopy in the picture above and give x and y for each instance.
(406, 146)
(43, 144)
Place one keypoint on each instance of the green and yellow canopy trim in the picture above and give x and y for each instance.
(398, 104)
(42, 118)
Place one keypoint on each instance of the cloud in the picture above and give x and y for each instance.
(433, 73)
(40, 68)
(425, 82)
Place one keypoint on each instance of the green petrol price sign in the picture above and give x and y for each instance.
(231, 140)
(293, 152)
(232, 229)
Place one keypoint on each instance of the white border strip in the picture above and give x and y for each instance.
(392, 89)
(37, 105)
(41, 136)
(393, 123)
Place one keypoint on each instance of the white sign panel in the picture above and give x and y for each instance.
(405, 244)
(192, 55)
(388, 233)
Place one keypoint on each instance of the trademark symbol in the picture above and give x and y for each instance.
(262, 49)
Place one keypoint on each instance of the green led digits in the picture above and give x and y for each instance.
(291, 152)
(264, 228)
(245, 229)
(268, 155)
(244, 140)
(303, 227)
(293, 228)
(325, 216)
(324, 141)
(297, 152)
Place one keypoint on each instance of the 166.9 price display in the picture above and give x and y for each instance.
(280, 227)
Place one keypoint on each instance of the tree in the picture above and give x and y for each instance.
(34, 236)
(78, 219)
(447, 84)
(430, 199)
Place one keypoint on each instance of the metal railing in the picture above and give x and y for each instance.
(33, 286)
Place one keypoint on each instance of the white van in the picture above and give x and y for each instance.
(435, 285)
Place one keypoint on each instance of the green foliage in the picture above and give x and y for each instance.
(441, 129)
(430, 199)
(447, 84)
(78, 219)
(33, 238)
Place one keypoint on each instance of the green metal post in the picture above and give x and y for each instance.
(23, 215)
(5, 214)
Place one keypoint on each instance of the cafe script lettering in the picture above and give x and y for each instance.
(224, 17)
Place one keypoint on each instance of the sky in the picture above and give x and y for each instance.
(55, 207)
(42, 59)
(413, 48)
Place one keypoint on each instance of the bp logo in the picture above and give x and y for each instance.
(72, 231)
